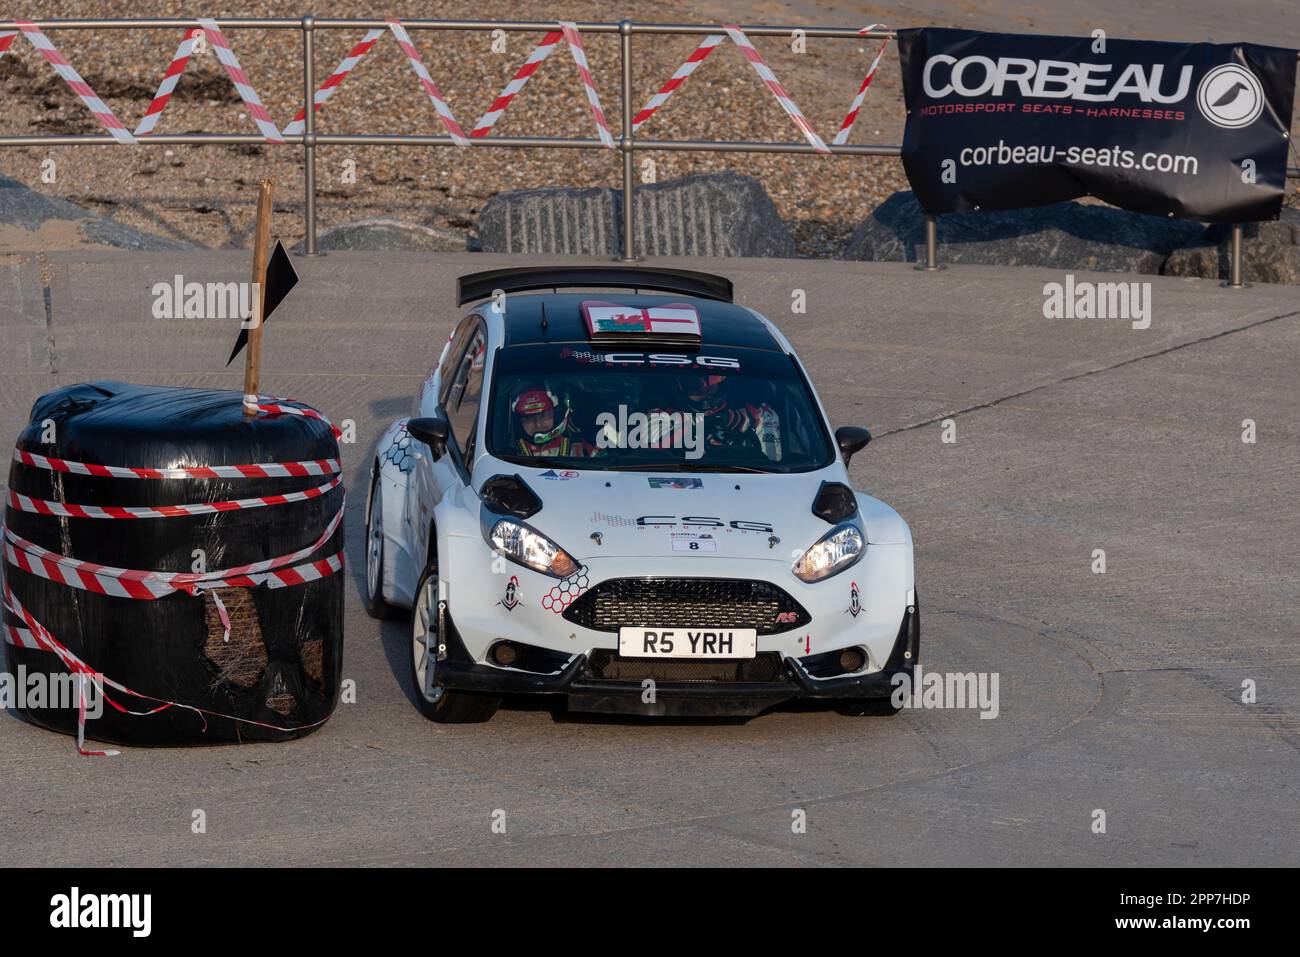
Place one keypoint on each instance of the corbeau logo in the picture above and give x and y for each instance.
(1230, 96)
(970, 76)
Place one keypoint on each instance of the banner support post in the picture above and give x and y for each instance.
(1234, 274)
(309, 130)
(931, 262)
(625, 142)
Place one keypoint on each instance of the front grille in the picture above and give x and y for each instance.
(687, 603)
(607, 666)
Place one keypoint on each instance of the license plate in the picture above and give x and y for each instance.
(688, 642)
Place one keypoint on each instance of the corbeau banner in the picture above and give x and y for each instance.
(1196, 131)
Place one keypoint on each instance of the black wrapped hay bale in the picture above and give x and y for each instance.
(277, 675)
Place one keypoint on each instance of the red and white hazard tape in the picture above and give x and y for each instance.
(150, 585)
(517, 83)
(262, 470)
(698, 56)
(71, 77)
(846, 127)
(574, 39)
(272, 405)
(769, 78)
(252, 102)
(38, 506)
(331, 83)
(20, 637)
(257, 111)
(169, 81)
(422, 74)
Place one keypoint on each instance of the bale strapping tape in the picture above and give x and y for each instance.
(289, 570)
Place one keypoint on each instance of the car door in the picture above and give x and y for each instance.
(460, 397)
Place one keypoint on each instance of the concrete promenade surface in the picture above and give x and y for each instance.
(1119, 691)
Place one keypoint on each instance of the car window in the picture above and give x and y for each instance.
(466, 393)
(449, 363)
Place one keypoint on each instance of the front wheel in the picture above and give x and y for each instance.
(436, 703)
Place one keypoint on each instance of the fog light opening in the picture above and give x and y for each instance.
(504, 654)
(851, 659)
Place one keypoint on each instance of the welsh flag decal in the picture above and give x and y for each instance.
(611, 318)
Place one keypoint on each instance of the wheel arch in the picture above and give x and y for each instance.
(390, 472)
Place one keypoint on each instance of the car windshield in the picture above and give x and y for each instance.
(720, 409)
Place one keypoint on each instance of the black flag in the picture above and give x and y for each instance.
(280, 279)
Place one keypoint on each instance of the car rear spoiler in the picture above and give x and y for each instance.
(484, 285)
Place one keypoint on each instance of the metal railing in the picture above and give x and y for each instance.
(626, 144)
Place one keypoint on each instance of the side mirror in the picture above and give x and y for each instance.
(432, 431)
(851, 439)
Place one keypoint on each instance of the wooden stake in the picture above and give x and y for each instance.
(261, 249)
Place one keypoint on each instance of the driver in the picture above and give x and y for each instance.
(726, 424)
(534, 411)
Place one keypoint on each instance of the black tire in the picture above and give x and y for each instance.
(864, 707)
(448, 706)
(373, 586)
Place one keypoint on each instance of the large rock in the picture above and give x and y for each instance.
(1270, 252)
(1063, 235)
(711, 214)
(385, 235)
(25, 207)
(579, 222)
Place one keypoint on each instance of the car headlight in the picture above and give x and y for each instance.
(530, 548)
(835, 551)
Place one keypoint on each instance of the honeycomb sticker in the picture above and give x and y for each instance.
(399, 450)
(563, 594)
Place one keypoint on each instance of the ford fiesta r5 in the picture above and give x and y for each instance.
(635, 502)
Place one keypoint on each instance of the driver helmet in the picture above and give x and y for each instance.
(535, 408)
(702, 392)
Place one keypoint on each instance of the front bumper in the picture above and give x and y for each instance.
(586, 692)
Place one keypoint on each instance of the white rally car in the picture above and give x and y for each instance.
(633, 502)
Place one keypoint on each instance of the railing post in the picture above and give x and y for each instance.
(625, 144)
(931, 262)
(309, 128)
(1234, 263)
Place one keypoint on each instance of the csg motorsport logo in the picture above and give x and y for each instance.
(1230, 96)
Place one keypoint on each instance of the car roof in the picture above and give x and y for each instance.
(721, 323)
